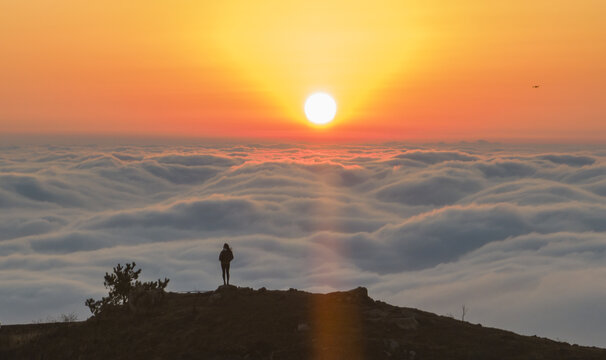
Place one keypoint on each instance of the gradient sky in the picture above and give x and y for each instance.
(398, 69)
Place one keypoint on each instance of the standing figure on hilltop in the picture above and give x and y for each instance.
(225, 258)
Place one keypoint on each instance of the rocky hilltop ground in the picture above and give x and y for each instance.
(242, 323)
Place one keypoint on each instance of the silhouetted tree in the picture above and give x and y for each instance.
(120, 283)
(464, 310)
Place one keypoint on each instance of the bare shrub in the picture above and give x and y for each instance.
(71, 317)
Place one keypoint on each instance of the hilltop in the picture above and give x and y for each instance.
(242, 323)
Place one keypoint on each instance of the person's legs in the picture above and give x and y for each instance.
(223, 273)
(227, 270)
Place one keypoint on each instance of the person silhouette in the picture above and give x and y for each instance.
(225, 257)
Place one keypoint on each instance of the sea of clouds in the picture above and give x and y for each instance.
(516, 233)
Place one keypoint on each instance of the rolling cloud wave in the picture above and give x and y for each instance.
(517, 233)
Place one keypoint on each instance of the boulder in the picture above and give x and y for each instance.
(406, 323)
(391, 345)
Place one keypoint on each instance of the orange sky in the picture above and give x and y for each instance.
(435, 69)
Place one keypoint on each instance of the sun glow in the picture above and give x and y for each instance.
(240, 68)
(320, 108)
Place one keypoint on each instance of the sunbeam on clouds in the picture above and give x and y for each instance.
(516, 233)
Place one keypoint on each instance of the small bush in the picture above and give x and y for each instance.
(66, 318)
(71, 317)
(120, 283)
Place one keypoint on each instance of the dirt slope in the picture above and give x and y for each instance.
(241, 323)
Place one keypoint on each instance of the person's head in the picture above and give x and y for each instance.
(226, 247)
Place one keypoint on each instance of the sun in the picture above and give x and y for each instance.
(320, 108)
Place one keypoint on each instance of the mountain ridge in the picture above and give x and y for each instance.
(242, 323)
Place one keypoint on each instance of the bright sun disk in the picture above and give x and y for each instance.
(320, 108)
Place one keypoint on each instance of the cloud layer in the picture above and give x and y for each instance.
(516, 233)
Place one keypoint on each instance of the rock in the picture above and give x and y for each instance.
(359, 292)
(406, 323)
(303, 327)
(224, 288)
(227, 292)
(391, 345)
(357, 295)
